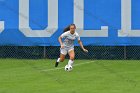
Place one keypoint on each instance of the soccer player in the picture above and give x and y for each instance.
(67, 46)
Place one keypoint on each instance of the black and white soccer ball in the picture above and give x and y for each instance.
(68, 68)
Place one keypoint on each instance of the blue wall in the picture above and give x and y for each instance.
(97, 13)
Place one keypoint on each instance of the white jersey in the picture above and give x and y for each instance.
(69, 39)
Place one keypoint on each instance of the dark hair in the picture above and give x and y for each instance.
(68, 27)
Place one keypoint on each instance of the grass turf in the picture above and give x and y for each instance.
(101, 76)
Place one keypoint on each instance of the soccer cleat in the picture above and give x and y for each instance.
(56, 64)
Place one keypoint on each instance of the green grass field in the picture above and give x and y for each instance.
(40, 76)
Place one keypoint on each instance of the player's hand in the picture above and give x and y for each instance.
(85, 50)
(62, 46)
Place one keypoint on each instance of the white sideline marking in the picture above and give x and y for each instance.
(63, 67)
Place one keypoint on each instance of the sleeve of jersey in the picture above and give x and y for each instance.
(64, 35)
(78, 37)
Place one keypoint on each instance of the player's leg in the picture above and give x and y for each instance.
(61, 59)
(72, 56)
(63, 53)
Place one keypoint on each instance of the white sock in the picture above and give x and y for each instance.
(58, 60)
(70, 62)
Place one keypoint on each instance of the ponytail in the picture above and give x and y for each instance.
(68, 28)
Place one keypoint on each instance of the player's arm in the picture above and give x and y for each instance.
(60, 39)
(81, 45)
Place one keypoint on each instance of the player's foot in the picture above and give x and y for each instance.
(56, 64)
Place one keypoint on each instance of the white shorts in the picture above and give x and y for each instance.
(64, 51)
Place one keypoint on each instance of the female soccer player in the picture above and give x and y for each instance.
(67, 46)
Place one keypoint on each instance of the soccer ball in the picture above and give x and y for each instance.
(68, 68)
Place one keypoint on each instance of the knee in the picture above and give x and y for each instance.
(72, 58)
